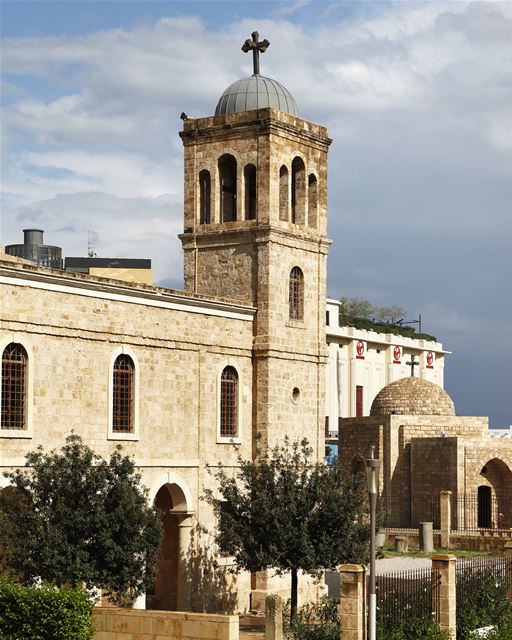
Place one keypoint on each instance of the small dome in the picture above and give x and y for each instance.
(413, 397)
(256, 92)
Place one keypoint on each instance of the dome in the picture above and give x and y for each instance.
(414, 397)
(256, 92)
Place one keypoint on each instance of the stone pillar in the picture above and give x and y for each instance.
(426, 537)
(444, 565)
(353, 602)
(273, 617)
(184, 538)
(445, 517)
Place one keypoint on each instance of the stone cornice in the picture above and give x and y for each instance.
(81, 284)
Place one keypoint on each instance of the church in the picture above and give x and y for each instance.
(178, 377)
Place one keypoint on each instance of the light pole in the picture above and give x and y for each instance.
(372, 470)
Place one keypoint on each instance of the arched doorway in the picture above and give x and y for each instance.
(484, 506)
(170, 591)
(495, 496)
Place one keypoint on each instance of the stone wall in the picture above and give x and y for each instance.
(130, 624)
(74, 325)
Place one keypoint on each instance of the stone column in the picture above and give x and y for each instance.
(445, 517)
(184, 583)
(353, 602)
(507, 549)
(273, 617)
(444, 565)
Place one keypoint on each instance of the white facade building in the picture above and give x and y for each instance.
(362, 362)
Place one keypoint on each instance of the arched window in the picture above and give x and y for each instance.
(229, 403)
(123, 393)
(296, 294)
(227, 181)
(283, 193)
(312, 200)
(250, 192)
(14, 387)
(204, 197)
(298, 191)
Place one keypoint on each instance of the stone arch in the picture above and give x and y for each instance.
(171, 590)
(284, 193)
(205, 202)
(312, 201)
(298, 191)
(228, 187)
(497, 476)
(251, 192)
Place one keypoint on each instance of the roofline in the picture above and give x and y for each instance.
(105, 288)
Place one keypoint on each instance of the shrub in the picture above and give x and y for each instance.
(318, 621)
(482, 600)
(32, 613)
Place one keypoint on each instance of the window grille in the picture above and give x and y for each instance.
(123, 395)
(14, 386)
(296, 294)
(229, 403)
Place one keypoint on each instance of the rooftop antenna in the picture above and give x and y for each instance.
(91, 251)
(418, 322)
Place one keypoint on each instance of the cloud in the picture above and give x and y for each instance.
(416, 96)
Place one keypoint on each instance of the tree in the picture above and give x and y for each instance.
(352, 308)
(391, 314)
(73, 517)
(282, 511)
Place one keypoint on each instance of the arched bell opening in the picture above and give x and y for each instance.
(228, 191)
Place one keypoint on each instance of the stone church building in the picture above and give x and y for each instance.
(426, 449)
(178, 377)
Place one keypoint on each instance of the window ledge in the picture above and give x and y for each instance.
(122, 436)
(221, 440)
(296, 324)
(16, 433)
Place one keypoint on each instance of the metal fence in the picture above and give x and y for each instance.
(481, 513)
(399, 512)
(407, 600)
(483, 589)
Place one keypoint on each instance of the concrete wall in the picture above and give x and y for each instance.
(382, 360)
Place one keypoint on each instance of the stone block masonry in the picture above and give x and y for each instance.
(133, 624)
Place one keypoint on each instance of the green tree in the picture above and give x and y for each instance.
(71, 517)
(352, 308)
(284, 512)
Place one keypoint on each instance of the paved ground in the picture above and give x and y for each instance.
(388, 565)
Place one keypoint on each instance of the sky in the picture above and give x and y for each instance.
(417, 97)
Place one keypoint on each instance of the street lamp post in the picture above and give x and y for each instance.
(372, 470)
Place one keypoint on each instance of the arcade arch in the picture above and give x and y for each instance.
(171, 590)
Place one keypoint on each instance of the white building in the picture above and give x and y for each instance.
(362, 362)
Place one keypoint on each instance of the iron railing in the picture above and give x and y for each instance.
(408, 600)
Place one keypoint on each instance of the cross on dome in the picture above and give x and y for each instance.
(256, 47)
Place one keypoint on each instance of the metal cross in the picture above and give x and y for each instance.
(412, 364)
(256, 47)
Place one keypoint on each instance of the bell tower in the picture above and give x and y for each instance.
(255, 233)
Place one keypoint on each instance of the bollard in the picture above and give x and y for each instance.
(426, 537)
(400, 544)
